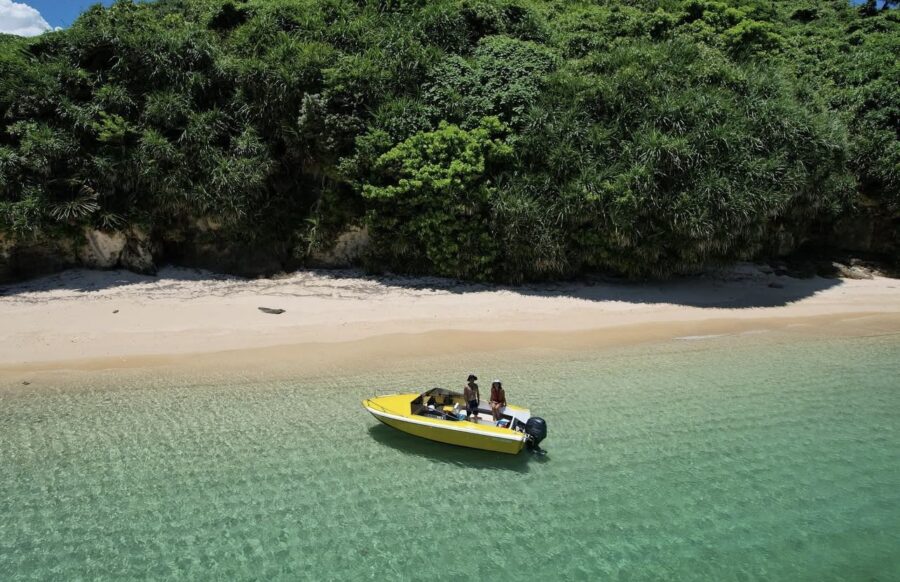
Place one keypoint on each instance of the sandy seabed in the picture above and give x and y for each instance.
(89, 320)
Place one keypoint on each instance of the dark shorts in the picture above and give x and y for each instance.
(472, 407)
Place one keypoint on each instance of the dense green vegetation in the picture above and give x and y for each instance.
(484, 139)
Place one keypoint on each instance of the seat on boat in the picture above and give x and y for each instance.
(433, 402)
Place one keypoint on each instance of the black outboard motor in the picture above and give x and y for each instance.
(536, 431)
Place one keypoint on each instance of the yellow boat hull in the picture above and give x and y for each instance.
(394, 411)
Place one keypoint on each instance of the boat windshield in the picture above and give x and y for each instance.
(436, 399)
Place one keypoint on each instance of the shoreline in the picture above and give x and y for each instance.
(187, 319)
(312, 355)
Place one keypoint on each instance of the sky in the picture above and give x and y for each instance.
(31, 17)
(62, 12)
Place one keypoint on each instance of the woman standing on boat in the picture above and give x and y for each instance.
(498, 399)
(470, 393)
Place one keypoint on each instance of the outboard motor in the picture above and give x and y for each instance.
(536, 431)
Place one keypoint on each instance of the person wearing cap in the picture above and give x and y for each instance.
(498, 399)
(470, 393)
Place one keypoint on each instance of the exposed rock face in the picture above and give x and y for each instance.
(223, 257)
(101, 250)
(207, 224)
(35, 256)
(94, 249)
(6, 246)
(131, 249)
(854, 271)
(203, 244)
(867, 232)
(855, 233)
(347, 249)
(783, 242)
(138, 253)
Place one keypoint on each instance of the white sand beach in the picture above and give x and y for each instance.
(114, 318)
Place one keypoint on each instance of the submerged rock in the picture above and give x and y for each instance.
(270, 310)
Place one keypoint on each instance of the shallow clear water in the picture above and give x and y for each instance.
(725, 459)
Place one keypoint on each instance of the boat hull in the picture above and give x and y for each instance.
(460, 433)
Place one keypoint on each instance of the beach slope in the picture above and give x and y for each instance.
(106, 316)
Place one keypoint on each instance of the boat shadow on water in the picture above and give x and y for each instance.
(452, 454)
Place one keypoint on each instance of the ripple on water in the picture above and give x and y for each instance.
(737, 461)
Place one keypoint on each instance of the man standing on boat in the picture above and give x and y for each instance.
(470, 393)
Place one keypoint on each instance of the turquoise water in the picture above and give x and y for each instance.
(726, 459)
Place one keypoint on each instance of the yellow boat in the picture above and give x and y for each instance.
(439, 414)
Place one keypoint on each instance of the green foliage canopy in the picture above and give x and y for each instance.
(483, 139)
(433, 207)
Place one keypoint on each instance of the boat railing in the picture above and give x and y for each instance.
(374, 404)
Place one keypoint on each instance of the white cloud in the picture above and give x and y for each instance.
(21, 19)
